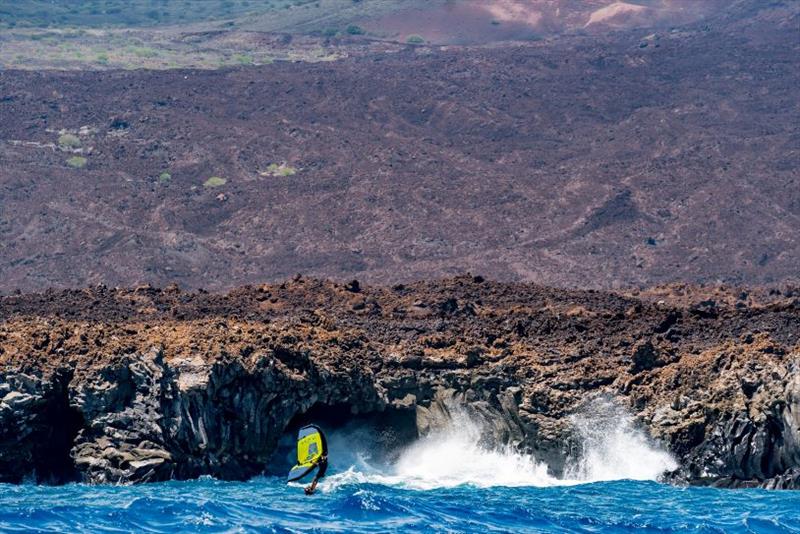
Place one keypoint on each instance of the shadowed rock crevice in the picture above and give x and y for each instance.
(37, 429)
(64, 422)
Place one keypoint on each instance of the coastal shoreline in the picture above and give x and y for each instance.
(106, 385)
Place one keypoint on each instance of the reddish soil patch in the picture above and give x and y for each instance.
(476, 21)
(453, 23)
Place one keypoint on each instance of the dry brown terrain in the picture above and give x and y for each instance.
(621, 159)
(476, 21)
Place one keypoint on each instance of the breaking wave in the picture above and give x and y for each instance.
(611, 448)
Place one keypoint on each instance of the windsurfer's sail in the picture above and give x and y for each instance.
(311, 446)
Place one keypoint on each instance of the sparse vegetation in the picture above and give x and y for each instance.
(120, 34)
(77, 162)
(215, 181)
(243, 59)
(282, 169)
(143, 52)
(69, 141)
(355, 30)
(415, 39)
(121, 49)
(130, 13)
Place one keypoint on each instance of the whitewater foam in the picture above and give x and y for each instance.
(612, 449)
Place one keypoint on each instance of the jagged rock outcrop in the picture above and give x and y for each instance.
(143, 385)
(123, 437)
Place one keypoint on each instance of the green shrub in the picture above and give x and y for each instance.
(355, 30)
(69, 141)
(144, 52)
(415, 39)
(215, 181)
(279, 170)
(77, 162)
(164, 177)
(102, 57)
(243, 59)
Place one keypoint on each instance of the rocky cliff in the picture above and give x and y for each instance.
(146, 384)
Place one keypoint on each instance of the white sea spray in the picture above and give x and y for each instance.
(611, 447)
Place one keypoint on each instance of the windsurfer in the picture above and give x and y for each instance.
(322, 467)
(312, 454)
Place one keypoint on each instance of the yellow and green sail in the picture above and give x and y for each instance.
(311, 446)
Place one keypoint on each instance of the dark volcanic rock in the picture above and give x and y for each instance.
(140, 385)
(37, 427)
(644, 357)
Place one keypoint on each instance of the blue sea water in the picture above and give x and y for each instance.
(269, 505)
(443, 482)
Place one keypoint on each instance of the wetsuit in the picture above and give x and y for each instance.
(322, 468)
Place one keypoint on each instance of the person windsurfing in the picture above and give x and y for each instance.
(312, 454)
(322, 467)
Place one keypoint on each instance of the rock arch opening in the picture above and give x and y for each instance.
(374, 437)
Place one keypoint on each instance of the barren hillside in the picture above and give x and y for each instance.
(625, 158)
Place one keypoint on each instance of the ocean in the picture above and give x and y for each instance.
(269, 505)
(445, 482)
